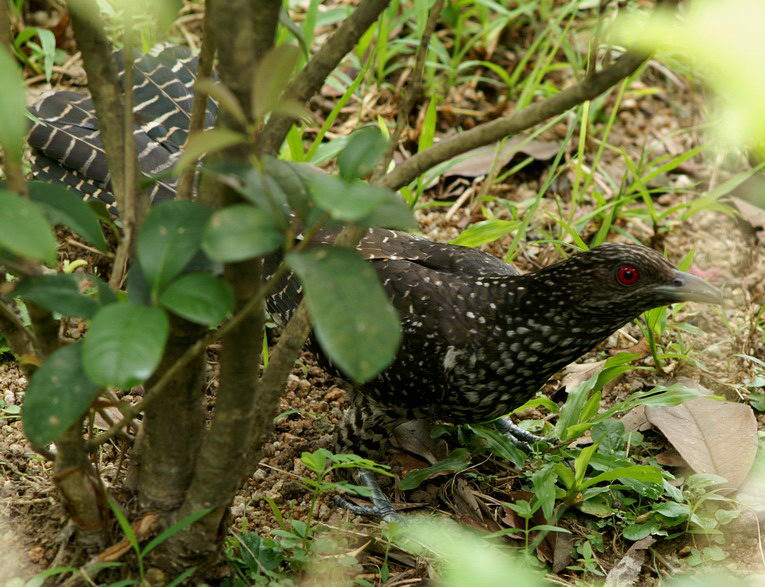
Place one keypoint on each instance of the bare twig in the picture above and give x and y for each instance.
(310, 80)
(495, 130)
(413, 90)
(116, 121)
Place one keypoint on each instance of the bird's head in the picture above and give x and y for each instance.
(622, 281)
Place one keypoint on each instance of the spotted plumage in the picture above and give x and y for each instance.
(479, 338)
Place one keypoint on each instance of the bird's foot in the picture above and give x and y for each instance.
(518, 436)
(381, 506)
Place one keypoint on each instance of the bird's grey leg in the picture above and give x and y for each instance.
(381, 506)
(364, 430)
(518, 436)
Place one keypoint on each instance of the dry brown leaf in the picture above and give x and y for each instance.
(627, 571)
(636, 419)
(479, 161)
(562, 551)
(414, 437)
(712, 436)
(671, 458)
(577, 373)
(754, 215)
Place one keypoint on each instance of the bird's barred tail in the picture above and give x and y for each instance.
(66, 142)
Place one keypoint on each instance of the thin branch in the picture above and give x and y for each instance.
(326, 59)
(495, 130)
(116, 131)
(413, 91)
(199, 106)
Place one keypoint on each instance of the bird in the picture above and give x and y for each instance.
(479, 338)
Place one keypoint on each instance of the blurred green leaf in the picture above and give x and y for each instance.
(124, 344)
(352, 317)
(726, 41)
(345, 201)
(206, 142)
(23, 228)
(364, 149)
(241, 232)
(170, 237)
(13, 106)
(465, 557)
(59, 393)
(273, 75)
(199, 297)
(66, 207)
(58, 293)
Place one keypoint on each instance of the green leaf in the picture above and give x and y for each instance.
(640, 531)
(392, 212)
(23, 228)
(124, 344)
(485, 231)
(635, 472)
(241, 232)
(65, 207)
(365, 148)
(273, 74)
(343, 200)
(458, 460)
(59, 393)
(208, 141)
(170, 237)
(13, 106)
(352, 317)
(58, 293)
(199, 297)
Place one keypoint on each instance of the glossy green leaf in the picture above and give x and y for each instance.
(485, 231)
(24, 229)
(458, 460)
(365, 148)
(345, 201)
(240, 232)
(199, 297)
(59, 393)
(58, 293)
(352, 317)
(124, 344)
(13, 106)
(63, 206)
(170, 237)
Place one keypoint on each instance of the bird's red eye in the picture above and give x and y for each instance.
(627, 275)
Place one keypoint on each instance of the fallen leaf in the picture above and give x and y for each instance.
(414, 437)
(718, 437)
(627, 570)
(562, 551)
(478, 162)
(754, 215)
(636, 419)
(671, 458)
(577, 373)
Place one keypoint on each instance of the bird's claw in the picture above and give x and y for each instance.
(521, 438)
(381, 507)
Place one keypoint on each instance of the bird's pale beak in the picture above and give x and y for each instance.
(689, 288)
